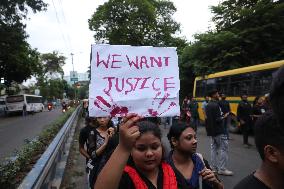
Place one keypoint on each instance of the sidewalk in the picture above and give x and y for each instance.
(75, 175)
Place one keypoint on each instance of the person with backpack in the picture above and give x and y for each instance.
(100, 139)
(188, 165)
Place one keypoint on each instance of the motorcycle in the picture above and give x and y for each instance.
(49, 107)
(64, 109)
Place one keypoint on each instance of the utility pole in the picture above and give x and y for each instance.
(73, 76)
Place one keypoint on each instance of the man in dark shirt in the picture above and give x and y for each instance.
(269, 140)
(219, 140)
(244, 113)
(193, 108)
(225, 108)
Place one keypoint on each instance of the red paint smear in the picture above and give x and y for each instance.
(97, 105)
(163, 99)
(155, 98)
(170, 106)
(103, 101)
(123, 110)
(118, 110)
(152, 112)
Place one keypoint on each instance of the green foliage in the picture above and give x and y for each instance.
(247, 32)
(53, 88)
(136, 22)
(13, 172)
(83, 91)
(53, 62)
(18, 60)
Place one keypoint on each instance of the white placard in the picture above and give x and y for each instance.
(128, 79)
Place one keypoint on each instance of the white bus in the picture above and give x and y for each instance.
(15, 103)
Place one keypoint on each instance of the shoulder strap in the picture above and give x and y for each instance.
(201, 158)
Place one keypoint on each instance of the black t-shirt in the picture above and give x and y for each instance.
(251, 182)
(85, 137)
(93, 140)
(126, 181)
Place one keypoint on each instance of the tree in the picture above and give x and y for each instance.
(50, 80)
(136, 22)
(53, 63)
(248, 32)
(18, 60)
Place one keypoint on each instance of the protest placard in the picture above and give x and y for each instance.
(130, 79)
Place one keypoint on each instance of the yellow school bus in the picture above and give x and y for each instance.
(252, 80)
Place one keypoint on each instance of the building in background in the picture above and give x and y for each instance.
(75, 77)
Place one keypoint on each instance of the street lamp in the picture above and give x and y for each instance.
(72, 54)
(74, 79)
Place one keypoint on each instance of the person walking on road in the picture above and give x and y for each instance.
(219, 140)
(193, 108)
(226, 109)
(244, 114)
(187, 164)
(203, 107)
(185, 113)
(269, 141)
(24, 110)
(100, 140)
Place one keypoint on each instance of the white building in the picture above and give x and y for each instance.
(79, 76)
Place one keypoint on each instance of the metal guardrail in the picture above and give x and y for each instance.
(49, 169)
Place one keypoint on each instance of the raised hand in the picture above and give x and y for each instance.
(128, 132)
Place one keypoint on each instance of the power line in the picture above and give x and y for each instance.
(59, 23)
(65, 21)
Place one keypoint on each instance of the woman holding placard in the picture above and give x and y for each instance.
(137, 160)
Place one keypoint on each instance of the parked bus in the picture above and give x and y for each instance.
(15, 103)
(253, 80)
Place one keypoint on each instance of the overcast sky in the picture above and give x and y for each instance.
(64, 27)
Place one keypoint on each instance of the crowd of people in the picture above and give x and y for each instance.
(132, 155)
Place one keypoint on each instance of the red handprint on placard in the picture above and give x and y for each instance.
(113, 109)
(156, 112)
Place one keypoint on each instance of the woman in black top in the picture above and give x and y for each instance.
(100, 138)
(188, 165)
(142, 142)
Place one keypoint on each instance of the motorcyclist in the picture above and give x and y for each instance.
(64, 106)
(49, 106)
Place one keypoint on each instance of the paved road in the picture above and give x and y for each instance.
(242, 161)
(15, 129)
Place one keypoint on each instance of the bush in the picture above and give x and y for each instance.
(14, 171)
